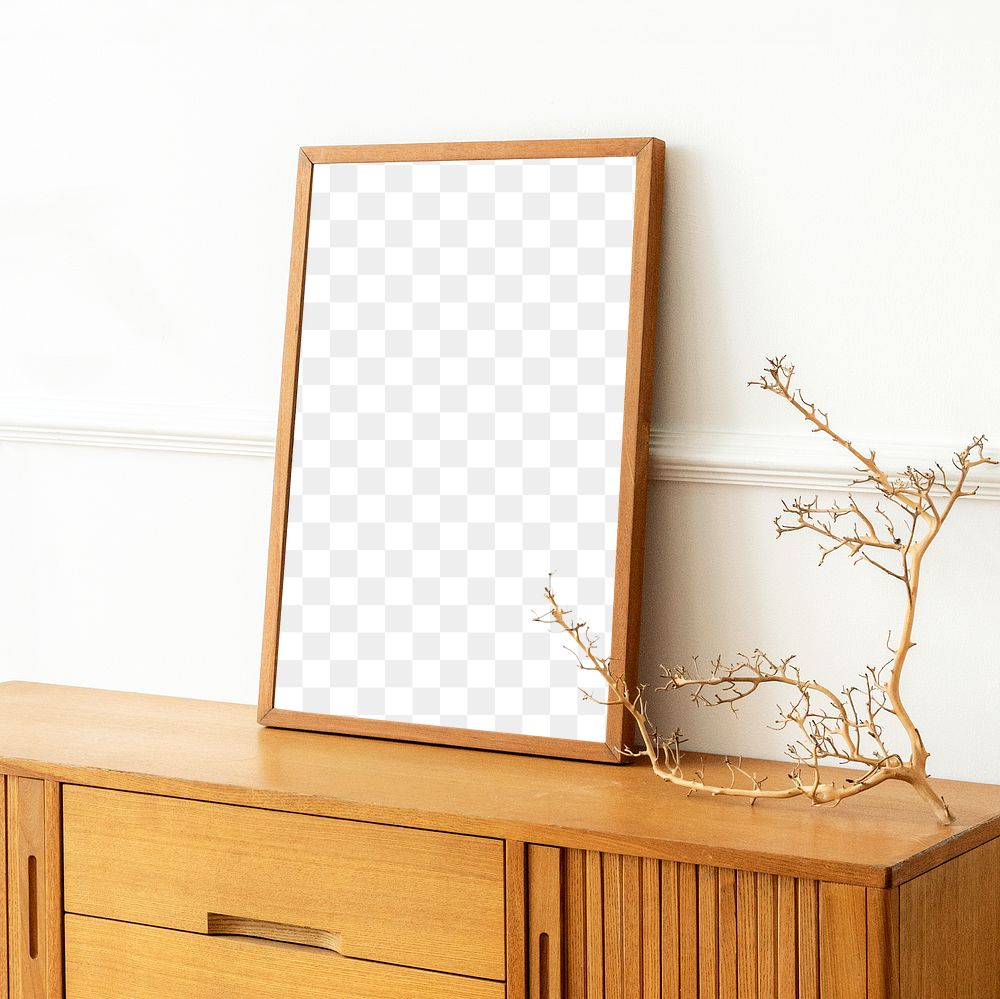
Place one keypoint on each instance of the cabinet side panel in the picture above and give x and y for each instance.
(843, 941)
(949, 924)
(883, 943)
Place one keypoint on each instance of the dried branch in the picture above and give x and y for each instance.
(846, 728)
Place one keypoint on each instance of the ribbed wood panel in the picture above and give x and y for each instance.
(635, 928)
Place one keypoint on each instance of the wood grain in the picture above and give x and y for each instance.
(718, 933)
(106, 958)
(808, 944)
(4, 976)
(53, 892)
(637, 928)
(883, 943)
(767, 936)
(843, 941)
(728, 971)
(614, 928)
(708, 932)
(33, 900)
(208, 751)
(283, 438)
(651, 932)
(611, 910)
(430, 900)
(223, 925)
(670, 957)
(574, 881)
(948, 921)
(443, 735)
(595, 926)
(519, 149)
(545, 930)
(639, 364)
(516, 881)
(788, 935)
(632, 926)
(646, 927)
(687, 928)
(746, 934)
(25, 877)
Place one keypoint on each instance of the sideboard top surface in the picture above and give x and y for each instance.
(212, 751)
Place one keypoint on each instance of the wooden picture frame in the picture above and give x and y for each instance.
(649, 156)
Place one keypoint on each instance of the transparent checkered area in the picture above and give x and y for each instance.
(457, 438)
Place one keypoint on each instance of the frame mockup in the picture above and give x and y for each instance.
(329, 170)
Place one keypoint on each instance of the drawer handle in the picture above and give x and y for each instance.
(220, 925)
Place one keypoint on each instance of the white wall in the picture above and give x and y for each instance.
(832, 194)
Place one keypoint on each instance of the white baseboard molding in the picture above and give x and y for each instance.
(794, 462)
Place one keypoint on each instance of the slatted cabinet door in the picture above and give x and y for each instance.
(604, 926)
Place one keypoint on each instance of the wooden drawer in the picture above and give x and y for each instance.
(111, 960)
(382, 893)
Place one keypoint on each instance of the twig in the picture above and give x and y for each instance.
(841, 728)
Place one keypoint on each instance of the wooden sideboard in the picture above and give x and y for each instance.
(169, 849)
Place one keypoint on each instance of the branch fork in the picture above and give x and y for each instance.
(826, 727)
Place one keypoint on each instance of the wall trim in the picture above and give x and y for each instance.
(139, 426)
(793, 462)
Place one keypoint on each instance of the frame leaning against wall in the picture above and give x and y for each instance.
(649, 154)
